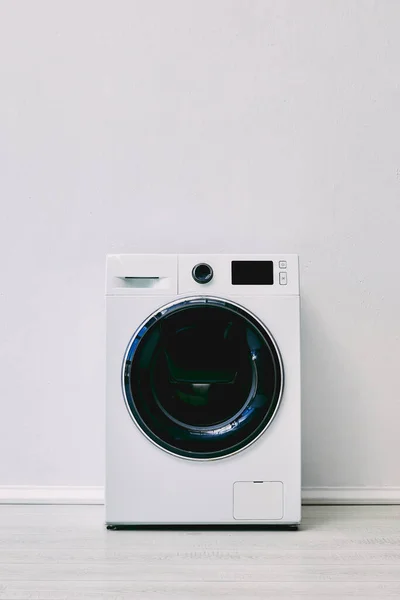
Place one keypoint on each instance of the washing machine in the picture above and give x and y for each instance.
(203, 390)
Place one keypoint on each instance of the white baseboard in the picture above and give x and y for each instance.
(351, 495)
(50, 494)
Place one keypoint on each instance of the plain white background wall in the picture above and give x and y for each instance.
(182, 126)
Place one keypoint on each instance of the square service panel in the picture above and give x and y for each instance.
(258, 500)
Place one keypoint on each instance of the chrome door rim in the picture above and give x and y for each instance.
(128, 355)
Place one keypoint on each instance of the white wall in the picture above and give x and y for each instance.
(182, 126)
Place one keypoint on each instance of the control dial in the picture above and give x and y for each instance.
(202, 273)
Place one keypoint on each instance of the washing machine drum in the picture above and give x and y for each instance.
(203, 378)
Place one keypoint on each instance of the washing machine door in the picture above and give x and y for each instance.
(202, 378)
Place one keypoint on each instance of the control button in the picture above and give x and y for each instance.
(202, 273)
(282, 264)
(283, 278)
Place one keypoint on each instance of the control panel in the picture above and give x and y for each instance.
(208, 274)
(238, 274)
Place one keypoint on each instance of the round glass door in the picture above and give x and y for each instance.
(202, 378)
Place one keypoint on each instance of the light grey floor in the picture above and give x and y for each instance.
(60, 552)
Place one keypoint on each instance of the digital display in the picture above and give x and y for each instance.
(252, 272)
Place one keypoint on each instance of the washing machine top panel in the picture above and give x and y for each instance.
(202, 377)
(222, 275)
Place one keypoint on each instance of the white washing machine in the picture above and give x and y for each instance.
(203, 390)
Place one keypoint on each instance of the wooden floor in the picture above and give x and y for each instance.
(64, 552)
